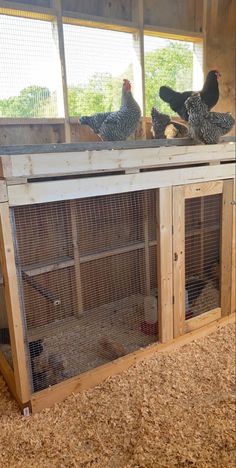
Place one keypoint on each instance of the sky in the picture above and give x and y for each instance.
(29, 54)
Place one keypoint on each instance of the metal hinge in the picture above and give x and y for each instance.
(233, 202)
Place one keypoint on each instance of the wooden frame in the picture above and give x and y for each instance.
(158, 168)
(180, 194)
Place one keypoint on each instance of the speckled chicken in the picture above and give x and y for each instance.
(209, 94)
(205, 126)
(159, 123)
(119, 125)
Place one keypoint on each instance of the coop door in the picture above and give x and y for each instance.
(202, 244)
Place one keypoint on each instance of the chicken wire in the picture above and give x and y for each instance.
(5, 345)
(88, 280)
(97, 61)
(202, 254)
(30, 80)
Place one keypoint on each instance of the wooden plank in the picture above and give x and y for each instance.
(74, 231)
(233, 288)
(179, 260)
(138, 64)
(58, 26)
(40, 192)
(47, 398)
(26, 11)
(13, 305)
(3, 191)
(38, 165)
(165, 264)
(8, 375)
(30, 121)
(172, 33)
(146, 244)
(203, 319)
(202, 189)
(94, 21)
(226, 247)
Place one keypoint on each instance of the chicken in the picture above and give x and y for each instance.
(119, 125)
(164, 127)
(159, 123)
(209, 95)
(205, 126)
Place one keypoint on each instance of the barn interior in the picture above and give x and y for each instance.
(109, 250)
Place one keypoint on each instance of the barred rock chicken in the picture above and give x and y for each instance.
(205, 126)
(159, 123)
(209, 95)
(119, 125)
(164, 127)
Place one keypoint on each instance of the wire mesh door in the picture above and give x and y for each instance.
(88, 281)
(202, 215)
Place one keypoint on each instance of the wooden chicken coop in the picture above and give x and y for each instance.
(111, 251)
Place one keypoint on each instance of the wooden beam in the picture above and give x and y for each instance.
(179, 260)
(172, 33)
(226, 247)
(41, 192)
(26, 10)
(202, 189)
(203, 319)
(92, 21)
(139, 67)
(3, 191)
(14, 314)
(75, 240)
(58, 25)
(30, 121)
(233, 288)
(82, 160)
(146, 244)
(47, 398)
(165, 264)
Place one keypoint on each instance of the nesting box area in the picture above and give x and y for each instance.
(97, 270)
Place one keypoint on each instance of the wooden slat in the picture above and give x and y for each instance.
(179, 259)
(202, 189)
(233, 289)
(172, 33)
(13, 305)
(74, 231)
(203, 319)
(40, 192)
(3, 191)
(93, 21)
(146, 244)
(165, 264)
(80, 159)
(226, 247)
(47, 398)
(8, 375)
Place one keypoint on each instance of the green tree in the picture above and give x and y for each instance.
(31, 102)
(171, 66)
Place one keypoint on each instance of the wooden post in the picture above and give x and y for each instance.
(13, 305)
(179, 259)
(146, 243)
(58, 25)
(233, 291)
(165, 263)
(226, 247)
(139, 69)
(76, 257)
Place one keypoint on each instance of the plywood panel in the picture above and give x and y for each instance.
(178, 14)
(41, 3)
(221, 49)
(118, 9)
(31, 134)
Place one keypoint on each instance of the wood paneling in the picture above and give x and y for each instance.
(31, 134)
(178, 14)
(118, 9)
(221, 49)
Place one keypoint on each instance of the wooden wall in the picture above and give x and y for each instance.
(220, 49)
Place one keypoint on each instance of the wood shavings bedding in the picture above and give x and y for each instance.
(175, 409)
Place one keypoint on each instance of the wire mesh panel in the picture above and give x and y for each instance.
(88, 280)
(5, 346)
(202, 254)
(30, 83)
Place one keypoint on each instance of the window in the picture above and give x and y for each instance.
(97, 60)
(30, 80)
(177, 64)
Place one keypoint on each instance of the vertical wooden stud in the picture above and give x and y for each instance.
(233, 291)
(138, 63)
(76, 257)
(146, 243)
(58, 25)
(13, 305)
(165, 263)
(179, 259)
(226, 247)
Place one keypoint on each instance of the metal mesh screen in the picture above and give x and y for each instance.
(88, 280)
(30, 84)
(97, 60)
(5, 346)
(202, 254)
